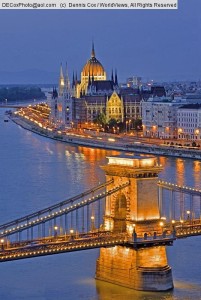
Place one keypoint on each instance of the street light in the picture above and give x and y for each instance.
(71, 233)
(161, 225)
(126, 126)
(92, 223)
(188, 214)
(55, 231)
(173, 228)
(2, 244)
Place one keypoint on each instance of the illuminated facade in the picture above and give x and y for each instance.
(135, 211)
(61, 102)
(92, 71)
(159, 117)
(92, 95)
(189, 122)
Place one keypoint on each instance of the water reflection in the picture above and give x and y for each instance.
(37, 172)
(107, 291)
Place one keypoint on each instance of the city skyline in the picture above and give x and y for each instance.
(159, 45)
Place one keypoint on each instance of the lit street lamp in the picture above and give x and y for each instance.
(188, 214)
(55, 231)
(2, 244)
(92, 223)
(161, 225)
(71, 233)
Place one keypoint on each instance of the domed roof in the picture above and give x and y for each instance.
(93, 67)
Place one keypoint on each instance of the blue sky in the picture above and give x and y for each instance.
(152, 43)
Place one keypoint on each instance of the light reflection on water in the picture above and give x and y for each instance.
(36, 172)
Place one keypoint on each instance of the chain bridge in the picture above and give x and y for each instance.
(131, 217)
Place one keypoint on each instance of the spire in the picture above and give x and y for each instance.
(116, 79)
(61, 72)
(54, 93)
(112, 76)
(92, 51)
(73, 81)
(67, 80)
(61, 81)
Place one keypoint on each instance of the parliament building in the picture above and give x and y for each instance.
(92, 95)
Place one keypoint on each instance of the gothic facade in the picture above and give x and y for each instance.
(93, 95)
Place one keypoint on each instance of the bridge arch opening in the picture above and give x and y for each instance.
(120, 213)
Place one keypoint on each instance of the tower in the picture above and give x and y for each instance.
(67, 101)
(61, 81)
(134, 211)
(93, 68)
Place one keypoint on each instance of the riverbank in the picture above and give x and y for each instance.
(108, 143)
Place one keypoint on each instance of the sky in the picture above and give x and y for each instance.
(154, 44)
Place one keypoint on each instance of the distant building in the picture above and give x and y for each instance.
(61, 110)
(189, 122)
(93, 95)
(158, 91)
(159, 117)
(134, 81)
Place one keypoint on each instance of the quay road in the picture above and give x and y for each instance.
(111, 142)
(36, 118)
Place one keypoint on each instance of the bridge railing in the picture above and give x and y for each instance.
(83, 215)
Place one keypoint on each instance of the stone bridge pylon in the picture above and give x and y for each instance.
(135, 211)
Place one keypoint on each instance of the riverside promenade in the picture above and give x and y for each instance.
(110, 142)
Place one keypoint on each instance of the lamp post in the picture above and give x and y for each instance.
(55, 231)
(161, 225)
(92, 223)
(134, 234)
(173, 228)
(196, 133)
(181, 221)
(2, 244)
(126, 126)
(188, 215)
(71, 233)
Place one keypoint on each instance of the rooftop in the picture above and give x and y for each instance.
(192, 106)
(135, 161)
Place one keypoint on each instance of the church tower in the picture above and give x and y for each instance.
(61, 81)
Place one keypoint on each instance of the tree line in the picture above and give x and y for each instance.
(9, 94)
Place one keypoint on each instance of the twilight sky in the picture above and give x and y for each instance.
(155, 44)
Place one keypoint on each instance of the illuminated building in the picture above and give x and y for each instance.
(93, 95)
(61, 102)
(134, 211)
(159, 117)
(189, 121)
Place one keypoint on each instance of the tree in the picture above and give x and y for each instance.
(137, 124)
(100, 119)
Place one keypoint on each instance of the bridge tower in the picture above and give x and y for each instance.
(135, 211)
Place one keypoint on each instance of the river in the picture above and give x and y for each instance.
(36, 172)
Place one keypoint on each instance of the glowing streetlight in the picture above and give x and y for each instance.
(55, 230)
(92, 223)
(2, 244)
(161, 225)
(71, 231)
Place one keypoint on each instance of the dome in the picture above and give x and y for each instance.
(93, 67)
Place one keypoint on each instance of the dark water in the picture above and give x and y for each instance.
(36, 172)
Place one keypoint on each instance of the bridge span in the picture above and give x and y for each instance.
(131, 217)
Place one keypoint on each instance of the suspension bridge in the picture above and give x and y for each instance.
(131, 210)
